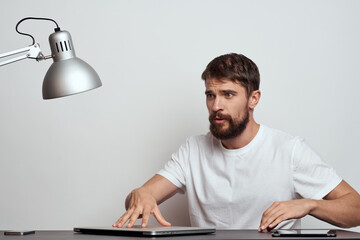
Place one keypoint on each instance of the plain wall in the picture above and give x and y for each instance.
(72, 161)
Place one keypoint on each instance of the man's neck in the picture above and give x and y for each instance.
(244, 138)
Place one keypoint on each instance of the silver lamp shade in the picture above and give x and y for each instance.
(68, 74)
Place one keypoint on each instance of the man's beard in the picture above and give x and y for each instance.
(234, 129)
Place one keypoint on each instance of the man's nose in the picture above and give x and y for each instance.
(217, 104)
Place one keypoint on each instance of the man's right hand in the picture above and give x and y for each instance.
(143, 202)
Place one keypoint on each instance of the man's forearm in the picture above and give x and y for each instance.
(342, 212)
(341, 207)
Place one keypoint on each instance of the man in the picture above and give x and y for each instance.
(244, 175)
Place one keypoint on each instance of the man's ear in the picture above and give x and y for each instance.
(254, 99)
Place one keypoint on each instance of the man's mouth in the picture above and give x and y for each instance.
(219, 120)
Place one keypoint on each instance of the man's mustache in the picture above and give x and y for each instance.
(215, 115)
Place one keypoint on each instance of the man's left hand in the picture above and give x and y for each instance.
(281, 211)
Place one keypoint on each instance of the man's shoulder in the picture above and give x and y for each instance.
(203, 142)
(202, 138)
(278, 135)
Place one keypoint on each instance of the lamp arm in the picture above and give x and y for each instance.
(32, 52)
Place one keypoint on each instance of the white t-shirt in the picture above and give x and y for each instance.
(232, 188)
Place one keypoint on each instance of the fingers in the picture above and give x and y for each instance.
(123, 219)
(133, 214)
(157, 214)
(268, 220)
(133, 218)
(141, 204)
(145, 217)
(281, 211)
(277, 213)
(272, 222)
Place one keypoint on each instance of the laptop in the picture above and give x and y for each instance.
(137, 230)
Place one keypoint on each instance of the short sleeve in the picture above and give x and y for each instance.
(175, 169)
(312, 177)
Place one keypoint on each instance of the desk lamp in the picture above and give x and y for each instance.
(68, 74)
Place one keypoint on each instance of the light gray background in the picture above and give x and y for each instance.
(72, 161)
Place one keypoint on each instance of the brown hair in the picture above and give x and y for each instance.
(235, 67)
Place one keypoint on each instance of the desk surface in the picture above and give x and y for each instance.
(220, 234)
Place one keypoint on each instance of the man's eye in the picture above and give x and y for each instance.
(229, 95)
(210, 95)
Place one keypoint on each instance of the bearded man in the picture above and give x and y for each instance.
(242, 174)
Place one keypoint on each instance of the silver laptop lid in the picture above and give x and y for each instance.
(148, 231)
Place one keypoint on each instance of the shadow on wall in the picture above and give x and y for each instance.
(175, 211)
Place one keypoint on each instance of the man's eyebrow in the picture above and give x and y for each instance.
(229, 91)
(222, 91)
